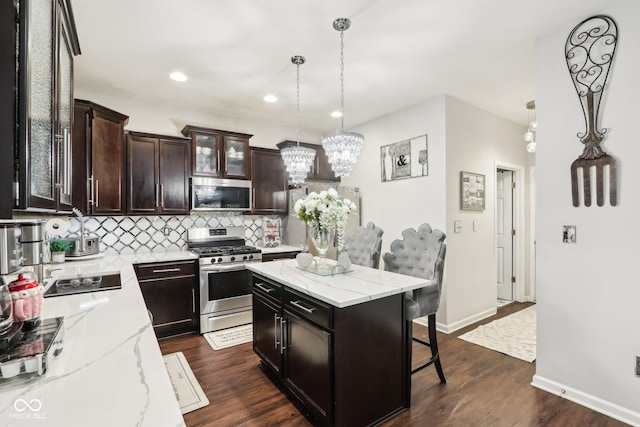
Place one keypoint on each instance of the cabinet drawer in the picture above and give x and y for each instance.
(267, 288)
(308, 308)
(279, 255)
(162, 270)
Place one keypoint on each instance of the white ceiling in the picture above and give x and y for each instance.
(397, 53)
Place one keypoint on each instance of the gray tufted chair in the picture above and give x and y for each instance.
(364, 245)
(421, 254)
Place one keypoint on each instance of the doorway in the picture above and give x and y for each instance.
(509, 233)
(504, 236)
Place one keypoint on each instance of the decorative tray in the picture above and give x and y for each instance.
(331, 271)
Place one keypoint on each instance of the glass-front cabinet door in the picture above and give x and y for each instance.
(206, 154)
(236, 157)
(40, 45)
(64, 123)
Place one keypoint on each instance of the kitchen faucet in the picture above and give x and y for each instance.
(82, 238)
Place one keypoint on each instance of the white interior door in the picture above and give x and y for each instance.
(504, 234)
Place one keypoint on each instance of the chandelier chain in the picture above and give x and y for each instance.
(298, 103)
(342, 79)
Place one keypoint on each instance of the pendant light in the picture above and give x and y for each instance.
(530, 135)
(342, 147)
(298, 159)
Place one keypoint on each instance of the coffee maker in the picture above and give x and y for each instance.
(33, 245)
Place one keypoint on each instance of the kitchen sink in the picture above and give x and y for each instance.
(84, 283)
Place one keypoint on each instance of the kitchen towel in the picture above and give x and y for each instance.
(57, 226)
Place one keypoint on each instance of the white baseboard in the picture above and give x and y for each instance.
(592, 402)
(447, 329)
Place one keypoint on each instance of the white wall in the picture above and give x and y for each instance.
(397, 205)
(476, 139)
(161, 119)
(588, 292)
(460, 137)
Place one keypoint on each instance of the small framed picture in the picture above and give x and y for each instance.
(472, 188)
(271, 232)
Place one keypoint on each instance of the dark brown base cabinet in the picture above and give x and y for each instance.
(342, 366)
(169, 291)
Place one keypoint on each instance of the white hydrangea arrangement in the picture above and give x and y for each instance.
(328, 210)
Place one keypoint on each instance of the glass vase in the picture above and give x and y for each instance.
(322, 237)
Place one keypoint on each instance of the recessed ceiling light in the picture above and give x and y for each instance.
(336, 114)
(270, 98)
(178, 76)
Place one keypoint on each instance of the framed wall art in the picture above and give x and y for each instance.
(472, 186)
(404, 159)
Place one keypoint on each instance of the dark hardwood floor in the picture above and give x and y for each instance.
(484, 388)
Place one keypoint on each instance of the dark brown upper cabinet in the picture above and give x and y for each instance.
(158, 169)
(321, 168)
(98, 159)
(46, 45)
(268, 181)
(219, 153)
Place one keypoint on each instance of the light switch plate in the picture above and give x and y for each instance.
(475, 226)
(457, 226)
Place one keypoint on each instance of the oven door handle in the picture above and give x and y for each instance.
(221, 269)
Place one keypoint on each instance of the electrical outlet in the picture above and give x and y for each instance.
(637, 366)
(457, 226)
(166, 231)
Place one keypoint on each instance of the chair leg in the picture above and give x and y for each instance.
(435, 355)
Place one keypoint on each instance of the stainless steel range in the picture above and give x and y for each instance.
(225, 283)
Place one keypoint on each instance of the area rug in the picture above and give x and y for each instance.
(229, 337)
(513, 335)
(187, 389)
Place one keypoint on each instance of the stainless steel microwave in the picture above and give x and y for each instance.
(213, 194)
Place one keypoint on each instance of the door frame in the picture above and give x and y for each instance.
(532, 233)
(518, 225)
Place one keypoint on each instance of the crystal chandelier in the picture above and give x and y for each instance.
(298, 159)
(530, 135)
(342, 147)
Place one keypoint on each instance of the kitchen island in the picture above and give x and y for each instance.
(110, 372)
(337, 344)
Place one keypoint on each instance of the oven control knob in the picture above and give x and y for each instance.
(244, 257)
(250, 256)
(219, 259)
(233, 258)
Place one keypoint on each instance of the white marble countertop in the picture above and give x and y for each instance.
(279, 249)
(341, 290)
(110, 372)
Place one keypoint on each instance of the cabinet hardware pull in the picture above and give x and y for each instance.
(162, 196)
(69, 160)
(193, 300)
(302, 307)
(167, 270)
(275, 331)
(218, 163)
(91, 198)
(283, 346)
(157, 194)
(262, 287)
(97, 196)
